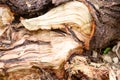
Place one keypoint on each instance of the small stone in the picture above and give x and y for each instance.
(115, 60)
(113, 67)
(107, 58)
(94, 54)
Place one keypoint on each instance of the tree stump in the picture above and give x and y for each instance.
(44, 54)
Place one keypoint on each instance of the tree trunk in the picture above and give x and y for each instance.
(107, 29)
(46, 54)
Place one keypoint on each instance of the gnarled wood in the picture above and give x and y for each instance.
(21, 49)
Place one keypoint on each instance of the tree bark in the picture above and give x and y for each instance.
(107, 25)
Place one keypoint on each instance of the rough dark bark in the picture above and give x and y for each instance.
(28, 8)
(108, 28)
(31, 8)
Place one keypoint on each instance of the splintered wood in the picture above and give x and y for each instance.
(63, 30)
(6, 17)
(46, 41)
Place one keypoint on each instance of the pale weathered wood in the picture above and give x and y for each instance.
(21, 49)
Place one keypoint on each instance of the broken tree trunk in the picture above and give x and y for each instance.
(107, 16)
(42, 51)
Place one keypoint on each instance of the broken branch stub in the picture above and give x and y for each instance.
(74, 14)
(46, 47)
